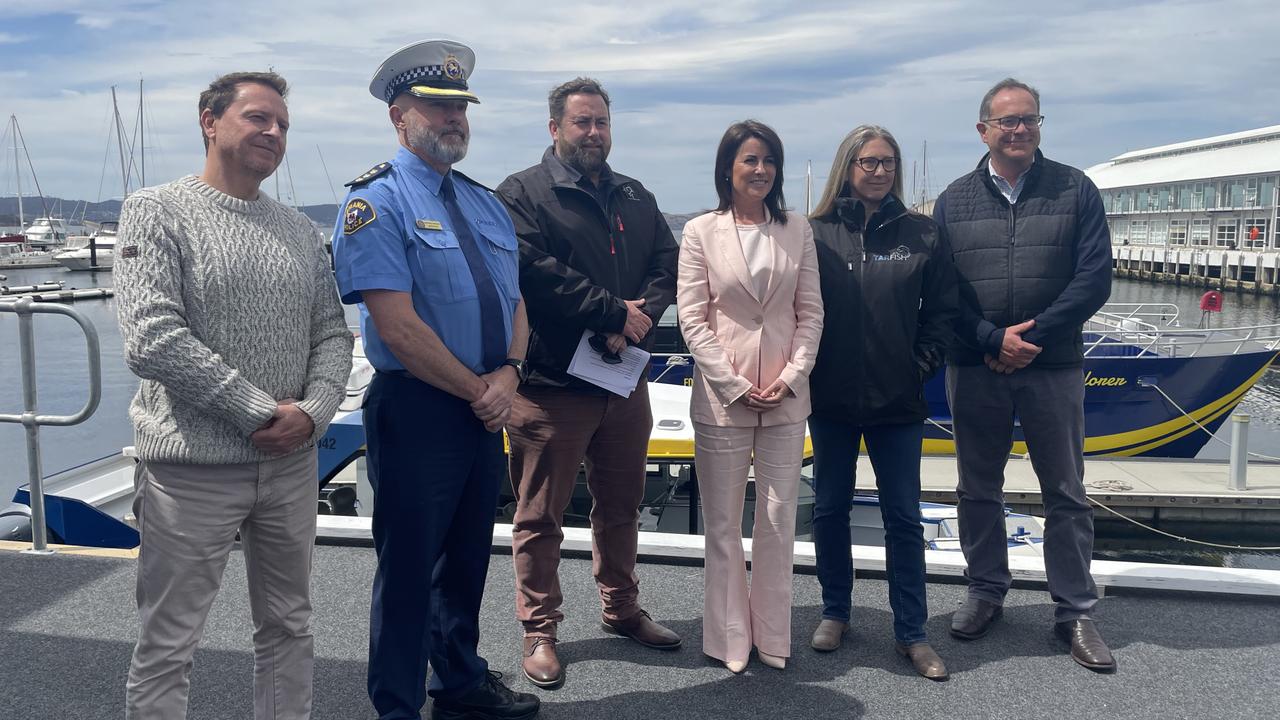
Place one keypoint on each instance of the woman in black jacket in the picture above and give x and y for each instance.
(889, 289)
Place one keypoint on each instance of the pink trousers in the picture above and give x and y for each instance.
(736, 616)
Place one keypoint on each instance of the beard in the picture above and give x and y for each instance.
(446, 148)
(586, 160)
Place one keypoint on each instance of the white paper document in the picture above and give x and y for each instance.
(620, 378)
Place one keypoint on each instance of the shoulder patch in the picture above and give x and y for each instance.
(369, 174)
(482, 186)
(357, 214)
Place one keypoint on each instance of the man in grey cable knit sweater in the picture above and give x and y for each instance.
(230, 316)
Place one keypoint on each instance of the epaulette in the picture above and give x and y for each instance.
(369, 174)
(480, 185)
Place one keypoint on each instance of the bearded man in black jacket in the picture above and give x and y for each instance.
(595, 255)
(1033, 260)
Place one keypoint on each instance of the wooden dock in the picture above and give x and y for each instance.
(1251, 271)
(1146, 489)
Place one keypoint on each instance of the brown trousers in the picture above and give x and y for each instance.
(553, 431)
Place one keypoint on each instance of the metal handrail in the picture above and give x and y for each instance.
(1135, 326)
(25, 307)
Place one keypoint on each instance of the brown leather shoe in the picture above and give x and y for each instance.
(974, 619)
(641, 628)
(541, 664)
(926, 661)
(1087, 646)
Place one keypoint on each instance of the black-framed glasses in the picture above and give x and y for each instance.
(869, 164)
(1010, 123)
(600, 345)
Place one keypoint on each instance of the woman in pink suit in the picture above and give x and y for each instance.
(750, 309)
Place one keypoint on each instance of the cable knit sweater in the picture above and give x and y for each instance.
(226, 306)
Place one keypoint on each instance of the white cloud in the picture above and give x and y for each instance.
(1114, 78)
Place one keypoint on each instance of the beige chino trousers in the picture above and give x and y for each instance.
(188, 516)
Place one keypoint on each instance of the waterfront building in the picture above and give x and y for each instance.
(1218, 192)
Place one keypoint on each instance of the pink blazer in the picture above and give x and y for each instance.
(738, 339)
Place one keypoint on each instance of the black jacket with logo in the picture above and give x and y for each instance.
(580, 260)
(890, 301)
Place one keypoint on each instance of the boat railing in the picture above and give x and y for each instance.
(30, 419)
(1150, 329)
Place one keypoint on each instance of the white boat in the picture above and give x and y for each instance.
(85, 248)
(21, 256)
(50, 232)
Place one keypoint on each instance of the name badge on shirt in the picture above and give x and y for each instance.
(429, 225)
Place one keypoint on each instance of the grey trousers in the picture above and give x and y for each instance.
(1049, 403)
(188, 516)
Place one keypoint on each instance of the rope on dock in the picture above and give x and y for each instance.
(1209, 432)
(1193, 541)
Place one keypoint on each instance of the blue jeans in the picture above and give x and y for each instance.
(895, 455)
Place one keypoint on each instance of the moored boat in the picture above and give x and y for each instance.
(91, 252)
(1152, 387)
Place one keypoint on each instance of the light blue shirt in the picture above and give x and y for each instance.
(395, 234)
(1010, 192)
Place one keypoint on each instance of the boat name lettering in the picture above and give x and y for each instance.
(1091, 381)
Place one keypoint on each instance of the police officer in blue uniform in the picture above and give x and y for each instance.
(431, 257)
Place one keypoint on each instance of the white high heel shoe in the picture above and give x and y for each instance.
(772, 661)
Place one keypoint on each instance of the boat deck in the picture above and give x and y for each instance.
(69, 626)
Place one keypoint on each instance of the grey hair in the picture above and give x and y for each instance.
(984, 110)
(838, 179)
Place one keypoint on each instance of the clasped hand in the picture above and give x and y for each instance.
(1015, 353)
(767, 399)
(493, 408)
(638, 324)
(286, 431)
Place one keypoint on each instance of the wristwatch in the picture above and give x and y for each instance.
(522, 370)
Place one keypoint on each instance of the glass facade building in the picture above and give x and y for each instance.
(1219, 192)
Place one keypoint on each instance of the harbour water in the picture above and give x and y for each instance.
(63, 388)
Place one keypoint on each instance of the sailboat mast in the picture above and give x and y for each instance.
(124, 169)
(142, 140)
(808, 186)
(17, 169)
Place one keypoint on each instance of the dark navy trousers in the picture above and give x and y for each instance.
(435, 472)
(894, 451)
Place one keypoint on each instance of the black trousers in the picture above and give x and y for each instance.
(435, 472)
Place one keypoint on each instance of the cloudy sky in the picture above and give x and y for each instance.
(1114, 77)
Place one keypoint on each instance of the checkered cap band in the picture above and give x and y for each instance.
(434, 73)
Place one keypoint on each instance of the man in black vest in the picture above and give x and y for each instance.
(1033, 255)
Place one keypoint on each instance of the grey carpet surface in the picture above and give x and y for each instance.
(67, 627)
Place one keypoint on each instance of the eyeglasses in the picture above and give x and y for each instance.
(600, 345)
(1011, 122)
(869, 164)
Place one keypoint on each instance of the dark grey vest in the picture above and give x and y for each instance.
(1016, 260)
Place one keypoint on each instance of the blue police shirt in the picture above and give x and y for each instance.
(395, 234)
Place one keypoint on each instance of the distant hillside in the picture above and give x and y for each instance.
(322, 215)
(32, 208)
(326, 215)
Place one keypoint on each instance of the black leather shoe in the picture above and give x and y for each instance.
(974, 618)
(1087, 645)
(490, 700)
